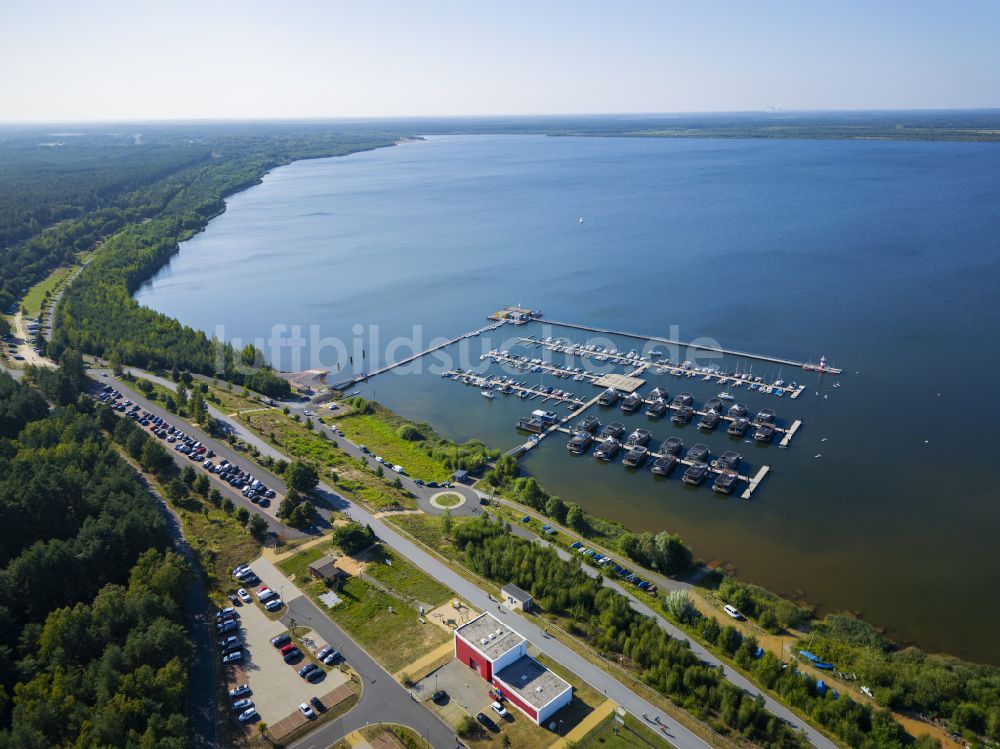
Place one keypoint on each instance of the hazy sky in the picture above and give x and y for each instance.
(105, 60)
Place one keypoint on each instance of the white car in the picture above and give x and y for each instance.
(274, 605)
(398, 469)
(239, 691)
(307, 711)
(244, 596)
(379, 459)
(732, 611)
(242, 704)
(248, 715)
(499, 709)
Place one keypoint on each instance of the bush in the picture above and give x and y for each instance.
(467, 727)
(410, 433)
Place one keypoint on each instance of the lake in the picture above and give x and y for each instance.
(880, 255)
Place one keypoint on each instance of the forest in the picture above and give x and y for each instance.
(93, 650)
(149, 197)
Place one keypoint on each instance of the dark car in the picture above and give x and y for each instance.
(293, 655)
(487, 721)
(281, 640)
(318, 704)
(439, 696)
(307, 669)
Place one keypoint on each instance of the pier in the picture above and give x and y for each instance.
(752, 483)
(755, 482)
(790, 433)
(701, 347)
(531, 393)
(343, 385)
(661, 367)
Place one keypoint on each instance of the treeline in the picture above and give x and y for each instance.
(965, 694)
(98, 315)
(770, 611)
(663, 551)
(605, 620)
(74, 523)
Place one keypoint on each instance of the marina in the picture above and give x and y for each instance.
(663, 366)
(621, 390)
(637, 455)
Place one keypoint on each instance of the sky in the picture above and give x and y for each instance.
(141, 60)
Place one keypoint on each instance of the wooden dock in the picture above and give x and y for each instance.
(755, 482)
(700, 347)
(790, 433)
(482, 382)
(413, 357)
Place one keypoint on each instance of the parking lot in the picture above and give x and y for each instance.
(467, 692)
(277, 688)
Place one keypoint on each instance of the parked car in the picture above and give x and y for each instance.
(499, 709)
(293, 655)
(248, 715)
(332, 658)
(307, 711)
(318, 704)
(239, 691)
(233, 657)
(288, 648)
(244, 596)
(274, 604)
(732, 611)
(324, 652)
(439, 696)
(307, 669)
(242, 704)
(486, 721)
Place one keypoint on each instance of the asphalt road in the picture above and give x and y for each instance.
(678, 735)
(383, 699)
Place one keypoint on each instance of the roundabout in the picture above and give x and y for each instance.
(447, 500)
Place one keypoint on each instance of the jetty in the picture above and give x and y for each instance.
(789, 433)
(751, 482)
(344, 384)
(808, 366)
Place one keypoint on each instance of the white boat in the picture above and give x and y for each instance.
(488, 394)
(726, 396)
(580, 221)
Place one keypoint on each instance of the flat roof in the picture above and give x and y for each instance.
(499, 637)
(515, 592)
(532, 682)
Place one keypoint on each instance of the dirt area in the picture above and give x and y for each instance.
(277, 688)
(453, 614)
(25, 348)
(356, 565)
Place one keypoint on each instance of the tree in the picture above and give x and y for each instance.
(177, 490)
(352, 538)
(681, 606)
(672, 556)
(201, 484)
(188, 475)
(243, 515)
(446, 524)
(556, 509)
(155, 457)
(257, 527)
(302, 477)
(116, 363)
(409, 432)
(576, 518)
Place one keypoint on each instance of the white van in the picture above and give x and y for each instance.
(732, 611)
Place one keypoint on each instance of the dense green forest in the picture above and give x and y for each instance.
(148, 197)
(92, 646)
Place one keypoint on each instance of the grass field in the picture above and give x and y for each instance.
(402, 577)
(297, 566)
(32, 301)
(632, 735)
(380, 437)
(387, 628)
(301, 443)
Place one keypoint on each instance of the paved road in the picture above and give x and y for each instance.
(596, 677)
(383, 697)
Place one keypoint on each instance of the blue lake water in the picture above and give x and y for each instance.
(882, 256)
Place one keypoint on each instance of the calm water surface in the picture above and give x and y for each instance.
(883, 256)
